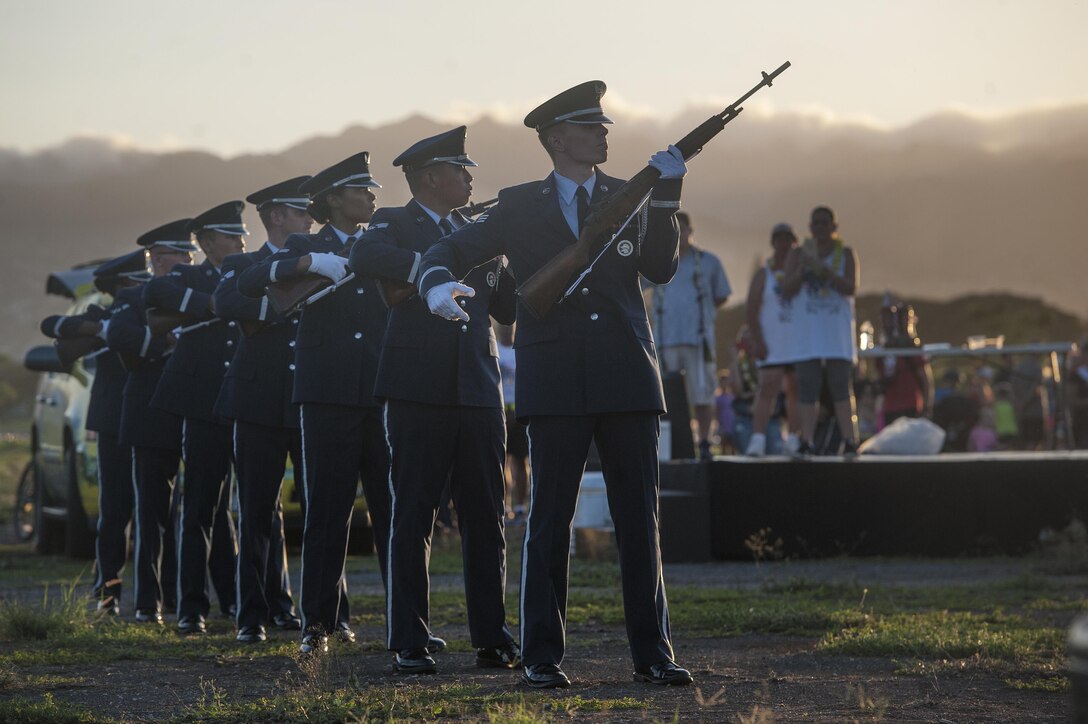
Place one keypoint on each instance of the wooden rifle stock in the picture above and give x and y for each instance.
(161, 321)
(394, 291)
(544, 288)
(69, 349)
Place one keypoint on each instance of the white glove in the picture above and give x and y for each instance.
(670, 163)
(329, 265)
(104, 325)
(441, 300)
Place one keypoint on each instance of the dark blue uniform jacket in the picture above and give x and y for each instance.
(426, 358)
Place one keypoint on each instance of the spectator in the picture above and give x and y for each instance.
(770, 319)
(743, 382)
(907, 381)
(823, 275)
(1008, 434)
(983, 436)
(723, 403)
(1029, 402)
(950, 380)
(1078, 394)
(683, 315)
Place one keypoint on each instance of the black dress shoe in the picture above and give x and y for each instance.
(149, 617)
(251, 634)
(314, 643)
(414, 661)
(435, 645)
(192, 625)
(666, 673)
(287, 622)
(344, 634)
(545, 676)
(499, 657)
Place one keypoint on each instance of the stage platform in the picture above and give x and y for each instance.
(941, 505)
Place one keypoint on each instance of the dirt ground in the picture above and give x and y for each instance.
(755, 678)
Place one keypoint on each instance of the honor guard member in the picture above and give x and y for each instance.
(586, 373)
(189, 387)
(153, 434)
(336, 359)
(256, 394)
(443, 411)
(115, 491)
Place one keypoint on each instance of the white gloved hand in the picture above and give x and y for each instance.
(441, 300)
(329, 265)
(670, 163)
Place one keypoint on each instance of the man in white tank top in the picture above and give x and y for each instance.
(822, 277)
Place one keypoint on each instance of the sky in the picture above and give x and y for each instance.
(259, 75)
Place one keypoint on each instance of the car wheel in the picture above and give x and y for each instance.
(78, 537)
(48, 531)
(26, 504)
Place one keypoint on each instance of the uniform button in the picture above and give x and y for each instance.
(358, 335)
(291, 367)
(230, 343)
(226, 364)
(359, 290)
(232, 323)
(291, 343)
(464, 327)
(585, 291)
(593, 316)
(294, 321)
(461, 302)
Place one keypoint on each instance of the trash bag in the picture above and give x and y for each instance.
(906, 436)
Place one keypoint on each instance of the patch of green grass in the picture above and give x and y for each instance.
(410, 702)
(26, 711)
(14, 455)
(21, 566)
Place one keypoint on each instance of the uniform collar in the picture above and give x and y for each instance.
(566, 188)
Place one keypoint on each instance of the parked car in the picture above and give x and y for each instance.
(64, 454)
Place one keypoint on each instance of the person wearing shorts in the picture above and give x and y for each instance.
(821, 279)
(683, 318)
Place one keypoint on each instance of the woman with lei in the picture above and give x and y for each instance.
(821, 279)
(769, 316)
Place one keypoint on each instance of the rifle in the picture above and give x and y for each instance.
(394, 291)
(549, 284)
(69, 349)
(163, 321)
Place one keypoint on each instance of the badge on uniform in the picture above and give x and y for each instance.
(492, 280)
(625, 248)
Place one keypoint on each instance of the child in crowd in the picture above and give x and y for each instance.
(983, 436)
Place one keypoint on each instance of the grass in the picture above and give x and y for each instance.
(1012, 630)
(14, 455)
(409, 702)
(27, 711)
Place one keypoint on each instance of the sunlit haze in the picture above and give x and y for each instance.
(259, 76)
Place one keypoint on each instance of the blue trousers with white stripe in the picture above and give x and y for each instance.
(430, 444)
(341, 445)
(558, 446)
(153, 473)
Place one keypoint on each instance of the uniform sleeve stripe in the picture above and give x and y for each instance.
(415, 268)
(272, 271)
(147, 341)
(665, 204)
(432, 269)
(60, 321)
(264, 308)
(185, 300)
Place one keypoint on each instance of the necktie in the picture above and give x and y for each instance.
(583, 206)
(446, 226)
(349, 241)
